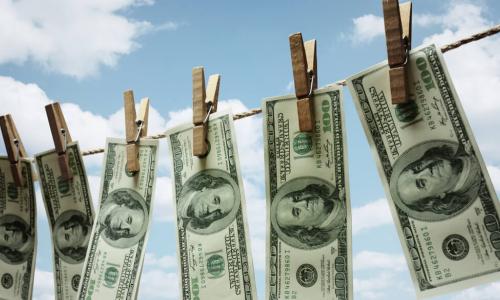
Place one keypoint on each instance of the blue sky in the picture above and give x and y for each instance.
(86, 53)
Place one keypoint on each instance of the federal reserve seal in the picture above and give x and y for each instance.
(307, 275)
(455, 247)
(7, 281)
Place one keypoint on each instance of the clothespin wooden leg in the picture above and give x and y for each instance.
(64, 165)
(305, 109)
(14, 147)
(212, 94)
(397, 21)
(143, 117)
(131, 132)
(17, 174)
(399, 85)
(305, 78)
(61, 137)
(200, 146)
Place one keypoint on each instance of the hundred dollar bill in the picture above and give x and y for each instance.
(308, 249)
(212, 236)
(17, 233)
(440, 194)
(118, 240)
(70, 213)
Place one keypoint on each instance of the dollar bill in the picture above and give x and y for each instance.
(116, 250)
(18, 236)
(308, 248)
(70, 213)
(212, 236)
(439, 191)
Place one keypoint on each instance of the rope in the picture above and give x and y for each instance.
(472, 38)
(475, 37)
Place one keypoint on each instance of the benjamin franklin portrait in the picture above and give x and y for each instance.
(123, 218)
(435, 180)
(308, 213)
(16, 239)
(71, 236)
(209, 202)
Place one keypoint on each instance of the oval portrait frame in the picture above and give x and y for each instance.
(409, 156)
(123, 242)
(65, 216)
(223, 223)
(24, 256)
(297, 184)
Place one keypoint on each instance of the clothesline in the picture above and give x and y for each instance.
(475, 37)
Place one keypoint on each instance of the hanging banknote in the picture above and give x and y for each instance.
(308, 249)
(70, 213)
(17, 233)
(212, 235)
(118, 240)
(440, 193)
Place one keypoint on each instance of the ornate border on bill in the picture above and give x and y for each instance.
(213, 244)
(308, 249)
(441, 196)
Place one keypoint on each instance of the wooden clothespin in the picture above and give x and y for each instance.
(135, 128)
(204, 104)
(397, 21)
(305, 76)
(61, 137)
(14, 146)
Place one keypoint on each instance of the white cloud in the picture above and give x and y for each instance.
(248, 135)
(380, 276)
(26, 103)
(256, 214)
(94, 186)
(91, 130)
(381, 286)
(158, 284)
(155, 283)
(486, 292)
(164, 205)
(159, 279)
(70, 37)
(495, 176)
(163, 208)
(43, 287)
(370, 215)
(251, 157)
(168, 26)
(368, 260)
(144, 2)
(165, 262)
(366, 28)
(477, 80)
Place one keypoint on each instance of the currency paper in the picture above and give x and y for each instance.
(440, 194)
(308, 249)
(212, 235)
